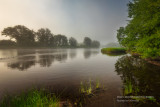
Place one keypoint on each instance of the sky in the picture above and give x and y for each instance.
(97, 19)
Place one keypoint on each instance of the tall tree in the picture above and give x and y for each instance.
(23, 35)
(72, 42)
(121, 35)
(87, 41)
(60, 40)
(95, 44)
(143, 30)
(45, 37)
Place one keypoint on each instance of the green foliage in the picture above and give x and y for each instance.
(142, 34)
(86, 88)
(97, 84)
(128, 88)
(32, 98)
(113, 50)
(139, 79)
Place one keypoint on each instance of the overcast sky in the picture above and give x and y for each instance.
(97, 19)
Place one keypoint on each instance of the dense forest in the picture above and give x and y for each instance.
(24, 37)
(142, 33)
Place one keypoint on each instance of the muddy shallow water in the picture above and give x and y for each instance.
(62, 71)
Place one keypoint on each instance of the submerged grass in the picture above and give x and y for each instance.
(33, 98)
(113, 50)
(87, 87)
(97, 84)
(128, 88)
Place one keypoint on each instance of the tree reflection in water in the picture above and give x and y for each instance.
(46, 60)
(139, 78)
(89, 52)
(22, 63)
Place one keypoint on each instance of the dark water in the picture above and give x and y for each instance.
(62, 71)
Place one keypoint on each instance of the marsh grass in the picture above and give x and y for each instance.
(86, 88)
(97, 84)
(32, 98)
(89, 88)
(128, 87)
(113, 50)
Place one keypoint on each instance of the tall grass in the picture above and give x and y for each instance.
(97, 84)
(86, 88)
(33, 98)
(113, 50)
(128, 87)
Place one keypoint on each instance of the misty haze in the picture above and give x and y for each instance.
(79, 53)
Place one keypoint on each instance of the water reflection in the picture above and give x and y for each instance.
(22, 63)
(46, 60)
(25, 59)
(5, 53)
(89, 52)
(114, 54)
(139, 78)
(73, 53)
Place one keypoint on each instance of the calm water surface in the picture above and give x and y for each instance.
(63, 70)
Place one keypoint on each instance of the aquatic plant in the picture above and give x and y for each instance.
(128, 88)
(33, 98)
(86, 88)
(89, 89)
(97, 84)
(82, 88)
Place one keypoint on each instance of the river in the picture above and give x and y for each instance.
(63, 70)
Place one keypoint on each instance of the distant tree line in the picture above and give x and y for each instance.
(24, 37)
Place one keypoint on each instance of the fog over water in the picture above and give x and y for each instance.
(98, 19)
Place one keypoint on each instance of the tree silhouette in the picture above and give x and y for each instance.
(72, 42)
(60, 40)
(45, 37)
(22, 35)
(87, 41)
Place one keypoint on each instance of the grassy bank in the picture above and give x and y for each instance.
(48, 98)
(113, 50)
(32, 98)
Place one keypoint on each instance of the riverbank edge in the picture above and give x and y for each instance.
(155, 61)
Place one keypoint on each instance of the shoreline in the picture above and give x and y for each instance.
(155, 61)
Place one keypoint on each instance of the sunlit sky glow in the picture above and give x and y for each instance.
(97, 19)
